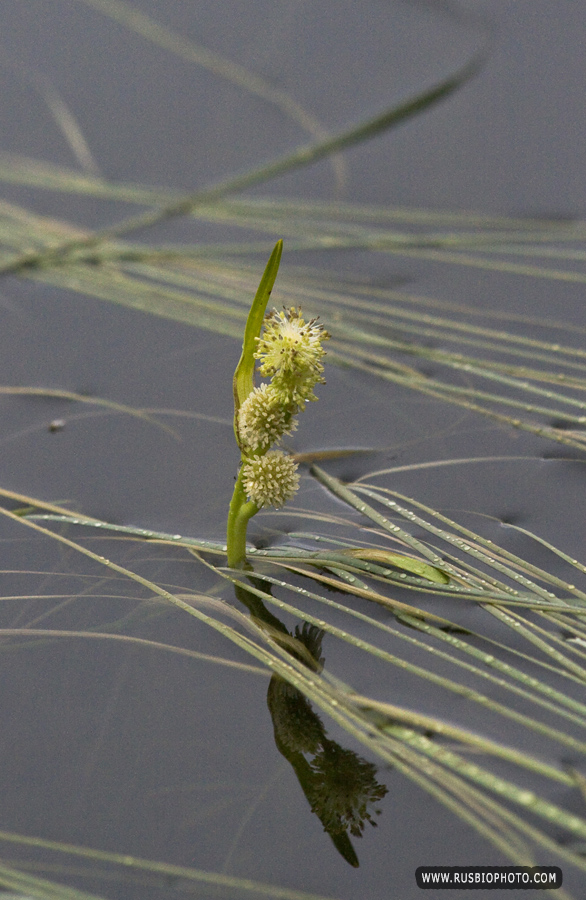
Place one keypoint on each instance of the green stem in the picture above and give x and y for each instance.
(240, 512)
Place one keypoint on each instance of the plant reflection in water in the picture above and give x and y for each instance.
(340, 786)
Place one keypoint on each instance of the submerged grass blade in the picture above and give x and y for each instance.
(41, 888)
(290, 162)
(134, 864)
(179, 45)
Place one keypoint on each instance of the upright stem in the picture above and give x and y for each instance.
(240, 512)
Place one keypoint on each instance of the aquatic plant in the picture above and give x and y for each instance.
(289, 351)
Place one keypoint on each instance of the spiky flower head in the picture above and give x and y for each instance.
(263, 418)
(270, 480)
(290, 351)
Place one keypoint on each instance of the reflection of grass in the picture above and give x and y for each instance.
(533, 678)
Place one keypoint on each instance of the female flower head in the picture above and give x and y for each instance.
(263, 419)
(270, 480)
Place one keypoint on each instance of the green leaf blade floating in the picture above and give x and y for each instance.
(398, 561)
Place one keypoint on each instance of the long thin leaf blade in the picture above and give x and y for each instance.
(244, 374)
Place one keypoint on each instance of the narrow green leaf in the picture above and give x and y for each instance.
(407, 563)
(244, 374)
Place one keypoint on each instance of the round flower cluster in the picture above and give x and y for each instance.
(290, 352)
(270, 480)
(263, 419)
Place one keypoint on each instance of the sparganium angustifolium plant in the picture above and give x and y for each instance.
(289, 352)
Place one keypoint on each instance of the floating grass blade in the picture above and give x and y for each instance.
(444, 772)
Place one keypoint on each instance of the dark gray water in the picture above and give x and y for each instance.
(140, 751)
